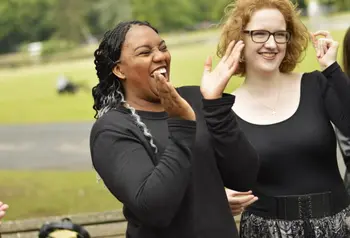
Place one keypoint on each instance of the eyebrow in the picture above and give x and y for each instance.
(147, 46)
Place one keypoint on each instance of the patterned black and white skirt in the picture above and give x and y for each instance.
(336, 226)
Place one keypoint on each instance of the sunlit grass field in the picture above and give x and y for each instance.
(46, 193)
(27, 95)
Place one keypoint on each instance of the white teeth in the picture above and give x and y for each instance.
(269, 54)
(161, 70)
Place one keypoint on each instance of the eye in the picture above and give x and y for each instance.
(260, 33)
(163, 48)
(146, 52)
(281, 34)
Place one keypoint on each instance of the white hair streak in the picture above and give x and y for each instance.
(109, 102)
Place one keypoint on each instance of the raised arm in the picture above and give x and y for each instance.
(151, 192)
(337, 97)
(334, 82)
(236, 158)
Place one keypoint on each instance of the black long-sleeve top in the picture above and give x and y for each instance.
(298, 155)
(177, 192)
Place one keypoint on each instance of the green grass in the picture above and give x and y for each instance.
(27, 95)
(46, 193)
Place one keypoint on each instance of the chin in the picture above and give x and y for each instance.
(269, 67)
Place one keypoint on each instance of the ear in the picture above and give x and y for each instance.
(118, 72)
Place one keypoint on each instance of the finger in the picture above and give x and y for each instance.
(208, 64)
(2, 214)
(250, 202)
(161, 83)
(4, 207)
(170, 96)
(237, 193)
(325, 47)
(325, 34)
(328, 42)
(313, 40)
(233, 67)
(239, 200)
(235, 54)
(320, 48)
(228, 51)
(161, 89)
(236, 212)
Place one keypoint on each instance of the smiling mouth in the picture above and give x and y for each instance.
(268, 55)
(163, 71)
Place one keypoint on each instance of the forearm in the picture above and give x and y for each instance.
(236, 158)
(338, 97)
(151, 191)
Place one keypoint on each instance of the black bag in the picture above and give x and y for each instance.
(63, 229)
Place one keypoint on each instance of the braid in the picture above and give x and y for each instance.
(346, 53)
(109, 93)
(141, 125)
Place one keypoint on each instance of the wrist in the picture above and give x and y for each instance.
(327, 64)
(211, 96)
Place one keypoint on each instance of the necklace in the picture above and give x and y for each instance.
(271, 108)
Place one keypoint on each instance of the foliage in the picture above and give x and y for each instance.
(79, 21)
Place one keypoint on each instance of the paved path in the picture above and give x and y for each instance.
(50, 146)
(64, 146)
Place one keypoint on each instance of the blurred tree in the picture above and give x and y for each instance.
(165, 15)
(109, 13)
(69, 17)
(24, 21)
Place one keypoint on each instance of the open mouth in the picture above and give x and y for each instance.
(163, 71)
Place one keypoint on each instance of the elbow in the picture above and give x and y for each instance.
(158, 218)
(243, 177)
(154, 213)
(160, 221)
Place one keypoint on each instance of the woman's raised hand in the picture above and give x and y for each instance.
(215, 81)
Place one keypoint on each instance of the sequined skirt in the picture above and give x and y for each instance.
(336, 226)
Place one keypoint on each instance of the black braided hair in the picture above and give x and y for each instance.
(108, 93)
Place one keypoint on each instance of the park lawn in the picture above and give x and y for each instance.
(46, 193)
(27, 95)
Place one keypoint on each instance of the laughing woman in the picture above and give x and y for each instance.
(167, 153)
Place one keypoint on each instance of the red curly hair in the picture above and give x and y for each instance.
(237, 16)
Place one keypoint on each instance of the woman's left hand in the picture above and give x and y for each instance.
(238, 201)
(326, 48)
(3, 208)
(214, 82)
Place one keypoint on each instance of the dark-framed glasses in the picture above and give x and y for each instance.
(262, 36)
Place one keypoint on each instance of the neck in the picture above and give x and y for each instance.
(143, 105)
(265, 81)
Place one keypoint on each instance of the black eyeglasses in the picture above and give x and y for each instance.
(262, 36)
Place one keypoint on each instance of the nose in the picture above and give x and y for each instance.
(159, 56)
(271, 43)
